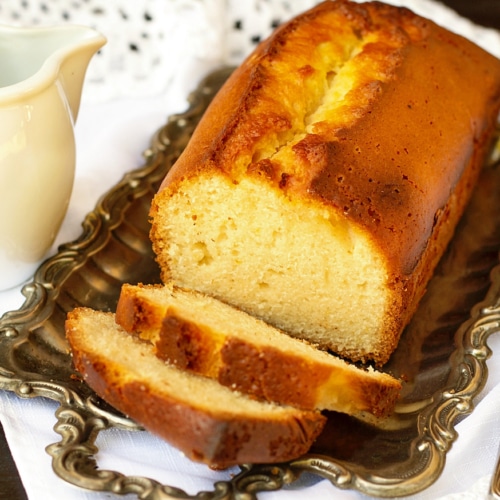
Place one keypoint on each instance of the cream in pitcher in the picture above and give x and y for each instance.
(41, 79)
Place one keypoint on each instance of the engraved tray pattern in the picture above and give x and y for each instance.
(442, 354)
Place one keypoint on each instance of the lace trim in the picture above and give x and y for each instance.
(153, 41)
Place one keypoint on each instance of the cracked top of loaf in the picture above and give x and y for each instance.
(326, 117)
(326, 178)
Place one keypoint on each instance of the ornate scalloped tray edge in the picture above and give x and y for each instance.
(442, 354)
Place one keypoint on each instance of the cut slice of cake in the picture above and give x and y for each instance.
(204, 335)
(205, 420)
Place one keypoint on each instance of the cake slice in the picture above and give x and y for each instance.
(205, 420)
(199, 333)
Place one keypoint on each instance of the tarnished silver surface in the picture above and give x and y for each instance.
(442, 354)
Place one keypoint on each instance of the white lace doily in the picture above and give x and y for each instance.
(151, 41)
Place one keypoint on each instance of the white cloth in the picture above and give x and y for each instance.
(112, 132)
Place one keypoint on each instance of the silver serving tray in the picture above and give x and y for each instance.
(442, 354)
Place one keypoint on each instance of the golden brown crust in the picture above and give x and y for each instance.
(187, 346)
(270, 372)
(393, 166)
(221, 437)
(134, 315)
(398, 158)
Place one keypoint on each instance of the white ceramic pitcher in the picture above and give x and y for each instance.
(41, 77)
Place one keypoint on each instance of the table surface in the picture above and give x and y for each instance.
(484, 12)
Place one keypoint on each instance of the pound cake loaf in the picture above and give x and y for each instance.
(198, 333)
(327, 176)
(205, 420)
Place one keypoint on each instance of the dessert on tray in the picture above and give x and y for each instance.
(302, 222)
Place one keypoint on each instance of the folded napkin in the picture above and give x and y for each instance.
(114, 128)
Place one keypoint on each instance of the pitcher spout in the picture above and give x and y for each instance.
(82, 44)
(35, 58)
